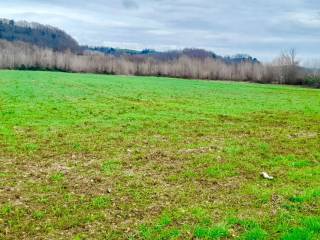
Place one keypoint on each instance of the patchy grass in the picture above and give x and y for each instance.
(108, 157)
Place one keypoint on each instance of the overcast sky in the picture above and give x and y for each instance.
(261, 28)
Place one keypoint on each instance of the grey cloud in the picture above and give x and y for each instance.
(257, 27)
(130, 4)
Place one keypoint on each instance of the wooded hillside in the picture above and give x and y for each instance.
(37, 34)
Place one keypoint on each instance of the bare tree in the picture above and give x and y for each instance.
(288, 66)
(20, 55)
(314, 67)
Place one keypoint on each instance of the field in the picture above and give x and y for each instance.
(86, 156)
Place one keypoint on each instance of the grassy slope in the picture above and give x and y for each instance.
(89, 156)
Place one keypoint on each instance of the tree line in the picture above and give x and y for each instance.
(284, 70)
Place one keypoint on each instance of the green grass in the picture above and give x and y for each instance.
(108, 157)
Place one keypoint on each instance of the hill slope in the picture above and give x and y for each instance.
(46, 36)
(174, 54)
(37, 34)
(88, 156)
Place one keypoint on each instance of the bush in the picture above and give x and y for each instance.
(313, 81)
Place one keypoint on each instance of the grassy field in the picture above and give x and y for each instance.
(108, 157)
